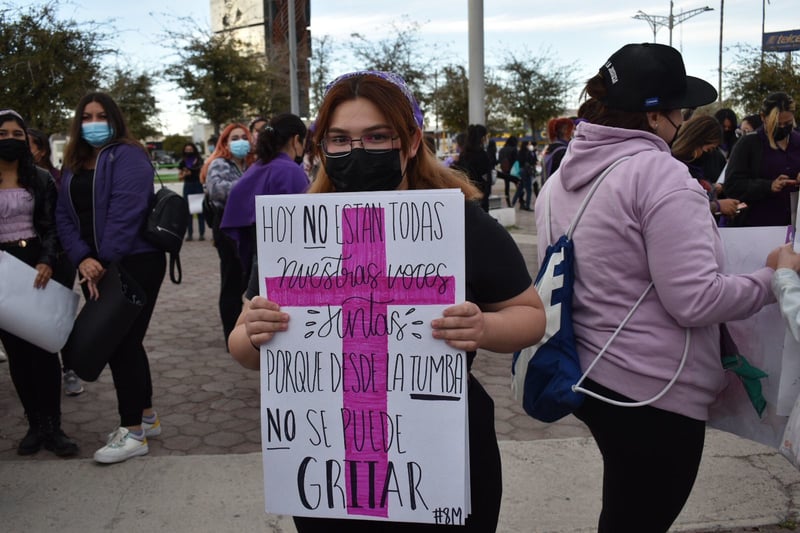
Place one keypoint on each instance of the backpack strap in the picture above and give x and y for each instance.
(581, 208)
(175, 264)
(577, 387)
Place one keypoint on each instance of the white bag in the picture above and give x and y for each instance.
(43, 317)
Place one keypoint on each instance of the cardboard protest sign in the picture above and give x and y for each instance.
(363, 412)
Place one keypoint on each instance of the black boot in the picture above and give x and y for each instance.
(54, 438)
(32, 441)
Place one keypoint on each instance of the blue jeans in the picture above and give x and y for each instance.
(524, 185)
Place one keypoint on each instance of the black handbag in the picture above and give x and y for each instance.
(102, 324)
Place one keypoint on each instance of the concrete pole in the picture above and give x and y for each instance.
(477, 92)
(294, 100)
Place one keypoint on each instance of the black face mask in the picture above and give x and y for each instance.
(781, 132)
(362, 171)
(12, 149)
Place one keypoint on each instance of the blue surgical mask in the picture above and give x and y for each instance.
(240, 148)
(97, 133)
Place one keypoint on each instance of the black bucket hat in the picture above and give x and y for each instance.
(652, 77)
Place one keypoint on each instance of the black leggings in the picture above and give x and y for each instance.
(36, 373)
(650, 462)
(232, 281)
(129, 366)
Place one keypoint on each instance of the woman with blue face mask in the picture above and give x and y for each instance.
(222, 169)
(104, 199)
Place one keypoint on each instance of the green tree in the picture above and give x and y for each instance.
(173, 144)
(134, 95)
(398, 54)
(320, 70)
(752, 79)
(535, 87)
(222, 79)
(47, 64)
(450, 98)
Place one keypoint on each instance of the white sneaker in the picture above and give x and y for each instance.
(120, 447)
(152, 430)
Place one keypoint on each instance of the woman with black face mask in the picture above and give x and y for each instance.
(369, 137)
(28, 232)
(278, 170)
(764, 168)
(189, 173)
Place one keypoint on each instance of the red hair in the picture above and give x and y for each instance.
(559, 128)
(222, 150)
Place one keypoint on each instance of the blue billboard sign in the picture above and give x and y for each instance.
(781, 41)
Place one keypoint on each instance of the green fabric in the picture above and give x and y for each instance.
(750, 377)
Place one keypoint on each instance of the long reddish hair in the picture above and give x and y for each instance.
(222, 150)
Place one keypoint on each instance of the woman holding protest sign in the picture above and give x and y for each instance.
(368, 142)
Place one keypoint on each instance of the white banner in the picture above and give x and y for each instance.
(364, 413)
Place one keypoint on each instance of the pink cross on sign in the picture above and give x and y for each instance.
(368, 299)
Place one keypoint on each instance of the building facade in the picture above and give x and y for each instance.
(263, 25)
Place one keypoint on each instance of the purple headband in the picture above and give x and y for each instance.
(392, 78)
(11, 112)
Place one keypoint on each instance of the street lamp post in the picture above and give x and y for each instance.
(656, 22)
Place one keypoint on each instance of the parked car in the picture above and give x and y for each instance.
(161, 157)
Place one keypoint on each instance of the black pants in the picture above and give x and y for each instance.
(36, 373)
(486, 482)
(129, 366)
(650, 462)
(232, 282)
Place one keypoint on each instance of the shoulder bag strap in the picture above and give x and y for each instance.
(577, 387)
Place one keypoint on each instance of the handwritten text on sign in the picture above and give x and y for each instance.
(363, 412)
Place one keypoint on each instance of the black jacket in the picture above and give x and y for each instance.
(43, 190)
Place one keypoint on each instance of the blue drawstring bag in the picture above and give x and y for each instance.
(547, 377)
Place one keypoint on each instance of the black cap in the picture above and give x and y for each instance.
(652, 77)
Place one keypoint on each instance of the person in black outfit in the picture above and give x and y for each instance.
(475, 162)
(500, 299)
(527, 170)
(28, 232)
(506, 157)
(189, 173)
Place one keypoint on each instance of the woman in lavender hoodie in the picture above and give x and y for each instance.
(648, 221)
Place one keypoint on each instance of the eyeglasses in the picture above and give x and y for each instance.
(373, 143)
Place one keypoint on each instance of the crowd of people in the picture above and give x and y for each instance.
(654, 221)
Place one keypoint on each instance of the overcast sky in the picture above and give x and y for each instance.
(583, 33)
